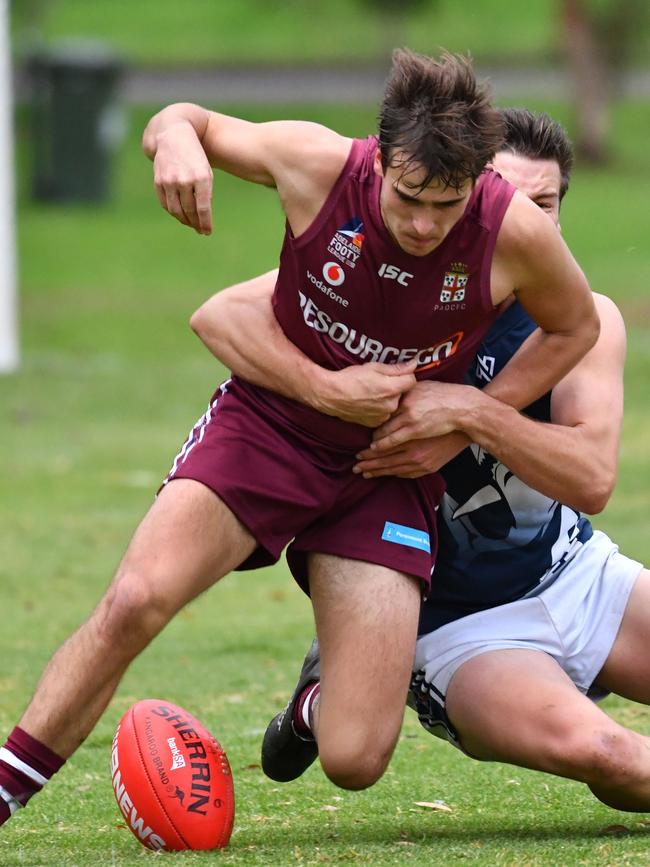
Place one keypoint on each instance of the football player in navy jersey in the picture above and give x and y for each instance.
(532, 613)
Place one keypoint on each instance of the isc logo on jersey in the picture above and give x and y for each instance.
(392, 272)
(347, 242)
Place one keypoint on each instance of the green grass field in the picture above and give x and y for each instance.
(238, 31)
(110, 382)
(165, 32)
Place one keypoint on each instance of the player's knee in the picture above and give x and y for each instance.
(354, 765)
(608, 756)
(616, 759)
(353, 771)
(130, 615)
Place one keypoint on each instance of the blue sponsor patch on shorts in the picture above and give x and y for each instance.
(409, 536)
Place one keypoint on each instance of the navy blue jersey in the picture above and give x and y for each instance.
(499, 540)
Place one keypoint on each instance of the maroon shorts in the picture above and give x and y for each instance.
(284, 483)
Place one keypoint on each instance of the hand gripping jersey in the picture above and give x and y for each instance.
(348, 294)
(499, 540)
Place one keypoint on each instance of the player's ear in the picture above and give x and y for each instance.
(377, 164)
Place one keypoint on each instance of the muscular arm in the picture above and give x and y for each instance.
(239, 327)
(530, 254)
(573, 459)
(184, 141)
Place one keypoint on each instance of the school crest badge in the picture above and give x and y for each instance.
(454, 284)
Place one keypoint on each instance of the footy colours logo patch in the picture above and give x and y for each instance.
(347, 242)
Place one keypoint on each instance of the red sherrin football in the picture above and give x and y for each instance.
(171, 779)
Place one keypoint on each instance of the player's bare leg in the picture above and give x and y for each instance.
(366, 620)
(518, 706)
(187, 541)
(627, 670)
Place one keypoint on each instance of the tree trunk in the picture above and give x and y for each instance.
(592, 81)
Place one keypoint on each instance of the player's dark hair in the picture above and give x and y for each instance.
(436, 116)
(538, 137)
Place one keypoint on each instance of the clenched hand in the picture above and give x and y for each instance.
(183, 177)
(366, 394)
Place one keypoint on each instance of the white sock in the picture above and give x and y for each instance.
(307, 714)
(9, 800)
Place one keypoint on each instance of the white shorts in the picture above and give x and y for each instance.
(575, 620)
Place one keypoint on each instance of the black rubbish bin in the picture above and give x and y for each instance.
(76, 121)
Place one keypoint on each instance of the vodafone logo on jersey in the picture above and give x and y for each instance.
(333, 273)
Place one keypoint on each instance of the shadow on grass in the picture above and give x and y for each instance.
(488, 832)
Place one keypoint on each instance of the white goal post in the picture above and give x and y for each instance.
(8, 300)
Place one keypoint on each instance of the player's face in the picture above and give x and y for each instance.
(537, 179)
(417, 218)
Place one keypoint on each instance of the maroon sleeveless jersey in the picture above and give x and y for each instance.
(348, 294)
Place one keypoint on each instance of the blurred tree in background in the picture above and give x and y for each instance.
(249, 32)
(600, 39)
(27, 17)
(392, 17)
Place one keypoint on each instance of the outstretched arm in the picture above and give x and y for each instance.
(239, 327)
(185, 141)
(573, 459)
